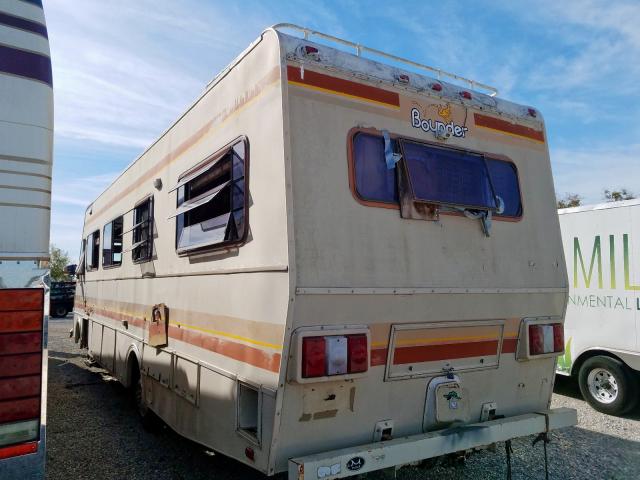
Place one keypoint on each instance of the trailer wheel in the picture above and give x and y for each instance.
(60, 311)
(608, 385)
(150, 420)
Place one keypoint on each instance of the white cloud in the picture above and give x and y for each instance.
(588, 171)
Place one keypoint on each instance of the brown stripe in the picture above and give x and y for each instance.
(431, 353)
(15, 299)
(508, 127)
(340, 85)
(378, 356)
(509, 345)
(23, 321)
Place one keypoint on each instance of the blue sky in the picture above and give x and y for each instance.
(124, 70)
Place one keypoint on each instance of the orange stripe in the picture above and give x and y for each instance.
(237, 351)
(508, 127)
(14, 299)
(342, 86)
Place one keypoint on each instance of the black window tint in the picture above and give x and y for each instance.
(505, 182)
(142, 247)
(112, 243)
(211, 207)
(373, 181)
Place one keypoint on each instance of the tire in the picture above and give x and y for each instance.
(608, 385)
(149, 420)
(59, 311)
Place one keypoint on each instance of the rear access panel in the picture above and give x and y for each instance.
(418, 350)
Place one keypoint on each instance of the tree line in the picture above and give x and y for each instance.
(575, 200)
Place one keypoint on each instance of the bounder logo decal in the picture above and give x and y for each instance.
(441, 129)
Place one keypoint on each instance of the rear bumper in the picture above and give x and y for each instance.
(399, 451)
(30, 466)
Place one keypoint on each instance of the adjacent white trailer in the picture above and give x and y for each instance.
(26, 137)
(602, 248)
(328, 263)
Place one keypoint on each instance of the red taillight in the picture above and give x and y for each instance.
(536, 340)
(358, 353)
(436, 87)
(334, 355)
(558, 337)
(309, 50)
(17, 450)
(546, 338)
(466, 95)
(313, 357)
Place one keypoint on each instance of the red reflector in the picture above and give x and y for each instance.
(17, 450)
(358, 354)
(536, 340)
(249, 453)
(466, 95)
(308, 50)
(436, 87)
(558, 337)
(313, 357)
(403, 78)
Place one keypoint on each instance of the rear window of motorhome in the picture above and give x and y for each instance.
(211, 201)
(142, 245)
(436, 175)
(112, 243)
(93, 250)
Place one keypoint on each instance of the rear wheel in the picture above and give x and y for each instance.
(60, 311)
(150, 420)
(608, 385)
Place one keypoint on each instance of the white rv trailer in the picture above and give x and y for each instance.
(26, 136)
(327, 262)
(603, 313)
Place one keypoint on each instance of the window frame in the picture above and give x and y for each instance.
(396, 205)
(88, 267)
(148, 198)
(112, 264)
(216, 156)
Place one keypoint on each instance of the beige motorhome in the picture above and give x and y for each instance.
(332, 265)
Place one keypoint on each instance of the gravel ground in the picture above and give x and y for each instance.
(93, 433)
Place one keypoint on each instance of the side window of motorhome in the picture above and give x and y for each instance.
(112, 243)
(436, 175)
(93, 250)
(142, 242)
(212, 202)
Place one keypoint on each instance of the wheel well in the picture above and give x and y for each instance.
(133, 369)
(584, 356)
